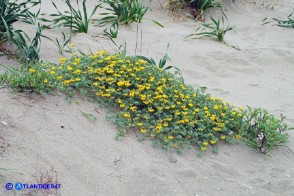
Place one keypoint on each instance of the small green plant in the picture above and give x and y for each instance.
(11, 12)
(61, 45)
(288, 23)
(215, 30)
(112, 31)
(198, 7)
(27, 49)
(123, 11)
(262, 130)
(89, 116)
(75, 19)
(162, 62)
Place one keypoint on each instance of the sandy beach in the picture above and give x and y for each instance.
(47, 138)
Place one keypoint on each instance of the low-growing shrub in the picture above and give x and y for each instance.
(150, 100)
(262, 130)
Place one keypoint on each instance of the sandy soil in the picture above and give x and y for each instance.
(45, 139)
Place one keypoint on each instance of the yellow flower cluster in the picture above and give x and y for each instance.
(154, 101)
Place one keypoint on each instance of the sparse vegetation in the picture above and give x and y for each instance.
(288, 23)
(263, 131)
(76, 19)
(215, 30)
(27, 50)
(61, 45)
(198, 7)
(123, 12)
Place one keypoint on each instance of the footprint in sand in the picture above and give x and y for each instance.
(277, 173)
(280, 52)
(225, 171)
(253, 85)
(195, 75)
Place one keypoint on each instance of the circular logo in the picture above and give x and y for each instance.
(18, 186)
(9, 186)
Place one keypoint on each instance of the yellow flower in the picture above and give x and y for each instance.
(170, 137)
(126, 115)
(122, 105)
(72, 45)
(120, 83)
(190, 104)
(140, 124)
(62, 60)
(241, 108)
(151, 110)
(165, 124)
(45, 81)
(32, 70)
(127, 84)
(212, 141)
(95, 84)
(76, 61)
(215, 107)
(203, 148)
(52, 72)
(216, 129)
(184, 113)
(205, 108)
(133, 108)
(78, 71)
(223, 137)
(175, 145)
(240, 115)
(205, 143)
(159, 126)
(59, 77)
(196, 110)
(143, 130)
(69, 68)
(143, 97)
